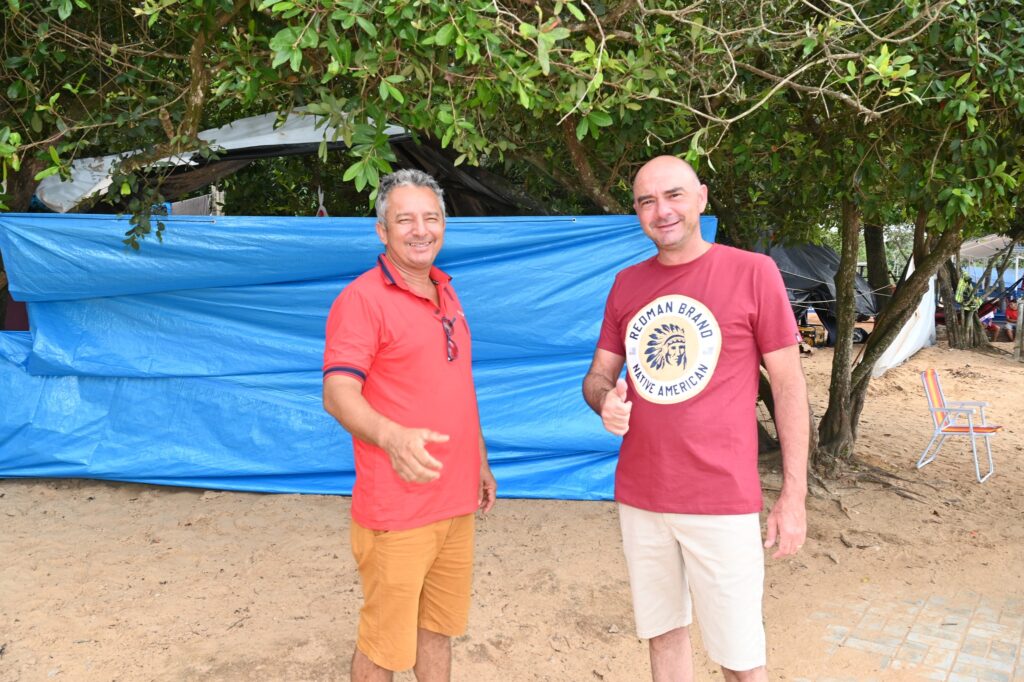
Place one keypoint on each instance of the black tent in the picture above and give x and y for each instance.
(809, 273)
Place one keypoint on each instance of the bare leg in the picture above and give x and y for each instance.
(433, 657)
(755, 675)
(365, 670)
(672, 656)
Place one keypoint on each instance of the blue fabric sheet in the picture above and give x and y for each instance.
(197, 361)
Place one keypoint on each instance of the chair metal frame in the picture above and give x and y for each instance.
(948, 416)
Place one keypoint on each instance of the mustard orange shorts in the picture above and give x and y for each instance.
(418, 578)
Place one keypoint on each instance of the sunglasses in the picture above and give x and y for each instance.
(449, 332)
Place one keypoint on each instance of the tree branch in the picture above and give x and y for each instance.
(587, 178)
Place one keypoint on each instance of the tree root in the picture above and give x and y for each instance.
(858, 471)
(878, 471)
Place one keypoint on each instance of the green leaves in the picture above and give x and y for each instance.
(367, 27)
(53, 169)
(546, 40)
(592, 122)
(445, 35)
(63, 8)
(387, 88)
(366, 172)
(288, 44)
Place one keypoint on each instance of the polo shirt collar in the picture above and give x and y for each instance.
(391, 274)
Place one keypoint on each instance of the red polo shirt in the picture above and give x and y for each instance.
(393, 340)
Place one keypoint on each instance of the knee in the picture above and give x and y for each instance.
(671, 640)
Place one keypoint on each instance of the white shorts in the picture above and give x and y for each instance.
(719, 559)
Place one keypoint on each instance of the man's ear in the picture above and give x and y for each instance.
(382, 232)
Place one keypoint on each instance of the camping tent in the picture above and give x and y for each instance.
(809, 272)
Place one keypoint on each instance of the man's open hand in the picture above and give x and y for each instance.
(407, 449)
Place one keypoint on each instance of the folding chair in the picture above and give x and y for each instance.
(948, 420)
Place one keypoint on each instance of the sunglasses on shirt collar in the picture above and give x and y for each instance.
(448, 324)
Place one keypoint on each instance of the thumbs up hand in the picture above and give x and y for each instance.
(615, 409)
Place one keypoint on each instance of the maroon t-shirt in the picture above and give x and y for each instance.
(693, 336)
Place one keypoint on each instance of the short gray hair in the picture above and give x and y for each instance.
(407, 177)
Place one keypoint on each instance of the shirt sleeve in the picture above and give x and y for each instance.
(612, 339)
(354, 328)
(775, 326)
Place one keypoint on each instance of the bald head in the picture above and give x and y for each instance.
(666, 166)
(669, 199)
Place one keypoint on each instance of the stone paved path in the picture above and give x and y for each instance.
(965, 638)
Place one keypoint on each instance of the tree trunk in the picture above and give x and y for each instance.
(954, 326)
(728, 221)
(838, 428)
(878, 265)
(21, 184)
(837, 431)
(963, 329)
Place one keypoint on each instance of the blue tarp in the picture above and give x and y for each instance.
(196, 362)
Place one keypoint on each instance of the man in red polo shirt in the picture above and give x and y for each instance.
(397, 376)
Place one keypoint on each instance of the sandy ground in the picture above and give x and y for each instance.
(105, 581)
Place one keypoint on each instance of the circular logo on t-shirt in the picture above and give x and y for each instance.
(672, 347)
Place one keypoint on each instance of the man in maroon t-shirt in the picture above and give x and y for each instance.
(691, 326)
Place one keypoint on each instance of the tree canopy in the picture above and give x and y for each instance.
(582, 92)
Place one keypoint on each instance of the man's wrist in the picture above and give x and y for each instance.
(793, 492)
(387, 434)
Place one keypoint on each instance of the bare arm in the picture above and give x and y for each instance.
(406, 447)
(787, 522)
(606, 393)
(488, 486)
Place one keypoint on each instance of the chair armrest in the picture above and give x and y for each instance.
(954, 414)
(978, 403)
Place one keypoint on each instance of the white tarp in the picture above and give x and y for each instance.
(983, 248)
(93, 175)
(918, 332)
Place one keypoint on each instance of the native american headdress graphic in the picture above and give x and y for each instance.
(666, 345)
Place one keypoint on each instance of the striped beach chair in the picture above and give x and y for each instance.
(956, 419)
